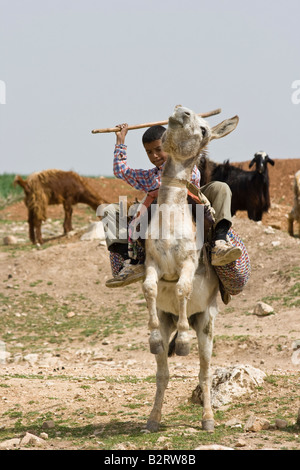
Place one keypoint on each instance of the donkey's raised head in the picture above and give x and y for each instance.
(187, 133)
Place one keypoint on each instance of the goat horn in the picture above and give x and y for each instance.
(150, 124)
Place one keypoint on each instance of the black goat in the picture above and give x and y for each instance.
(250, 189)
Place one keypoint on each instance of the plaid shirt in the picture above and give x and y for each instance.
(143, 180)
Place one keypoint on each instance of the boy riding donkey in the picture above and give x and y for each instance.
(128, 268)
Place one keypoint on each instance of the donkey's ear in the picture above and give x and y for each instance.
(224, 128)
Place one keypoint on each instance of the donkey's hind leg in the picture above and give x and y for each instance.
(162, 373)
(204, 326)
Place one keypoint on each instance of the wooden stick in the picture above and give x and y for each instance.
(150, 124)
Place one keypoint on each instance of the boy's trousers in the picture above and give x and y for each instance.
(116, 229)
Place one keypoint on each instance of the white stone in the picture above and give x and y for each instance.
(262, 309)
(10, 444)
(269, 230)
(31, 439)
(231, 382)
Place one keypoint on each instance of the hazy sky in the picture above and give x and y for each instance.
(70, 66)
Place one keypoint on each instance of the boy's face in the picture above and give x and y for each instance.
(155, 153)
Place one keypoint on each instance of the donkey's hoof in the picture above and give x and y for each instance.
(182, 348)
(152, 426)
(208, 425)
(156, 348)
(156, 342)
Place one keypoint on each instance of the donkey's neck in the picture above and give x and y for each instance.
(179, 169)
(174, 176)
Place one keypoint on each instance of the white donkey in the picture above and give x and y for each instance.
(178, 289)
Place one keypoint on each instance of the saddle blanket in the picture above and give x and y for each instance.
(234, 276)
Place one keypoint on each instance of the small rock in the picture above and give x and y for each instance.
(256, 424)
(269, 230)
(44, 436)
(4, 357)
(10, 240)
(70, 314)
(296, 356)
(281, 423)
(241, 443)
(262, 309)
(275, 243)
(48, 424)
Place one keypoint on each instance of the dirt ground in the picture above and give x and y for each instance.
(92, 378)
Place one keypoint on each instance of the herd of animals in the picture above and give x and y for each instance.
(250, 192)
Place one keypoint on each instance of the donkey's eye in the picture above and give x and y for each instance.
(203, 130)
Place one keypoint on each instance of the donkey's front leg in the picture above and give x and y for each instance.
(150, 293)
(162, 373)
(184, 289)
